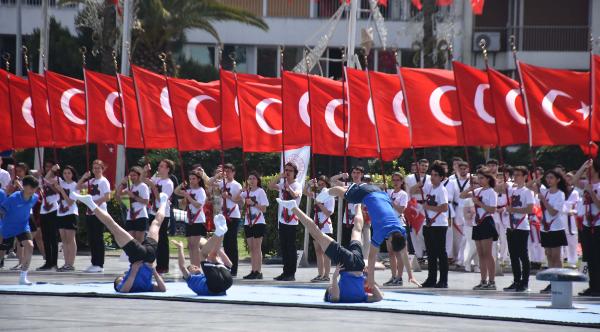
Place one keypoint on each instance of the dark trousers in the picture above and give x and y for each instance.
(287, 241)
(591, 250)
(519, 256)
(230, 244)
(95, 230)
(346, 235)
(50, 237)
(435, 244)
(162, 250)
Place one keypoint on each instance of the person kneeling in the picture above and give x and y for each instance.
(213, 276)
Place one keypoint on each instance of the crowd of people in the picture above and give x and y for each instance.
(444, 214)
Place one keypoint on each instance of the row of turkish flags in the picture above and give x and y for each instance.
(367, 113)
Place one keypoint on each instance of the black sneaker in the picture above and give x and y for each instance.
(2, 263)
(45, 268)
(441, 284)
(250, 276)
(398, 282)
(289, 278)
(480, 286)
(523, 287)
(490, 286)
(428, 284)
(279, 277)
(258, 275)
(512, 288)
(546, 290)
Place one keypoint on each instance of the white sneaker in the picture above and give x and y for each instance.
(96, 269)
(220, 225)
(322, 196)
(89, 268)
(24, 281)
(287, 204)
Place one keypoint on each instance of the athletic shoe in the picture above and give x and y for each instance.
(428, 284)
(16, 267)
(289, 278)
(2, 263)
(94, 269)
(316, 279)
(250, 276)
(547, 290)
(522, 288)
(24, 281)
(66, 268)
(279, 277)
(325, 278)
(399, 282)
(11, 254)
(390, 282)
(480, 286)
(512, 288)
(258, 276)
(45, 268)
(589, 292)
(490, 286)
(441, 284)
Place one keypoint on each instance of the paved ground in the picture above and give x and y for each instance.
(40, 312)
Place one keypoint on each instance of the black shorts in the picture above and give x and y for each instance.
(195, 229)
(32, 226)
(140, 225)
(485, 230)
(351, 259)
(9, 242)
(218, 277)
(553, 239)
(357, 192)
(67, 222)
(256, 231)
(145, 251)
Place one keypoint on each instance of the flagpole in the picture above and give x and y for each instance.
(232, 56)
(54, 149)
(591, 92)
(122, 164)
(83, 51)
(224, 205)
(6, 58)
(121, 150)
(460, 112)
(344, 145)
(37, 138)
(282, 107)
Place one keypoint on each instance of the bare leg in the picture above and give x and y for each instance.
(27, 252)
(211, 247)
(487, 253)
(121, 236)
(258, 254)
(194, 248)
(322, 239)
(319, 255)
(72, 247)
(337, 191)
(393, 262)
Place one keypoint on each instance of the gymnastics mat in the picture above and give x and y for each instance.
(394, 301)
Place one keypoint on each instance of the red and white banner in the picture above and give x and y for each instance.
(6, 143)
(329, 110)
(508, 106)
(131, 115)
(66, 98)
(41, 109)
(296, 110)
(362, 137)
(261, 115)
(596, 98)
(105, 118)
(22, 121)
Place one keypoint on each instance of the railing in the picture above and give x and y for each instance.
(542, 38)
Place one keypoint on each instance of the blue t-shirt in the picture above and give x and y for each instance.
(197, 283)
(142, 282)
(2, 198)
(352, 288)
(16, 212)
(383, 217)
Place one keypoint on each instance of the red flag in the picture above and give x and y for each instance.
(475, 100)
(133, 131)
(432, 107)
(557, 101)
(196, 111)
(40, 109)
(108, 154)
(260, 108)
(392, 123)
(595, 100)
(590, 150)
(362, 139)
(508, 106)
(296, 112)
(417, 3)
(105, 120)
(67, 109)
(6, 143)
(477, 6)
(23, 124)
(442, 3)
(155, 109)
(327, 118)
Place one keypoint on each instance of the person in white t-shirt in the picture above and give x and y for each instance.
(67, 215)
(195, 228)
(256, 202)
(98, 187)
(453, 194)
(416, 235)
(484, 234)
(574, 202)
(322, 217)
(554, 218)
(501, 220)
(4, 177)
(461, 230)
(48, 220)
(289, 189)
(399, 199)
(161, 183)
(136, 221)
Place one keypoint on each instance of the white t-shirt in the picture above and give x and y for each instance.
(461, 185)
(410, 181)
(234, 188)
(139, 210)
(590, 208)
(520, 198)
(49, 197)
(487, 196)
(572, 204)
(163, 186)
(64, 209)
(196, 215)
(294, 186)
(327, 224)
(97, 188)
(399, 199)
(4, 179)
(559, 220)
(453, 194)
(259, 197)
(435, 197)
(501, 216)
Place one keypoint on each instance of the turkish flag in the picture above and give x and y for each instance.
(155, 109)
(296, 111)
(105, 119)
(477, 6)
(558, 105)
(362, 137)
(417, 4)
(108, 154)
(23, 124)
(67, 109)
(443, 2)
(6, 143)
(596, 101)
(197, 111)
(433, 107)
(508, 106)
(260, 109)
(475, 100)
(40, 109)
(328, 111)
(392, 123)
(131, 115)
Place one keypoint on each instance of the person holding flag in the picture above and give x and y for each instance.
(195, 197)
(256, 202)
(322, 216)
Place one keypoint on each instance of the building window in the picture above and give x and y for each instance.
(201, 54)
(239, 52)
(266, 64)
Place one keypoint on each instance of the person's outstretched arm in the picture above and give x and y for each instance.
(409, 270)
(135, 267)
(181, 258)
(376, 295)
(160, 283)
(334, 293)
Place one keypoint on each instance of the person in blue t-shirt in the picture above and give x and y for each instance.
(384, 221)
(350, 262)
(213, 276)
(142, 255)
(15, 211)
